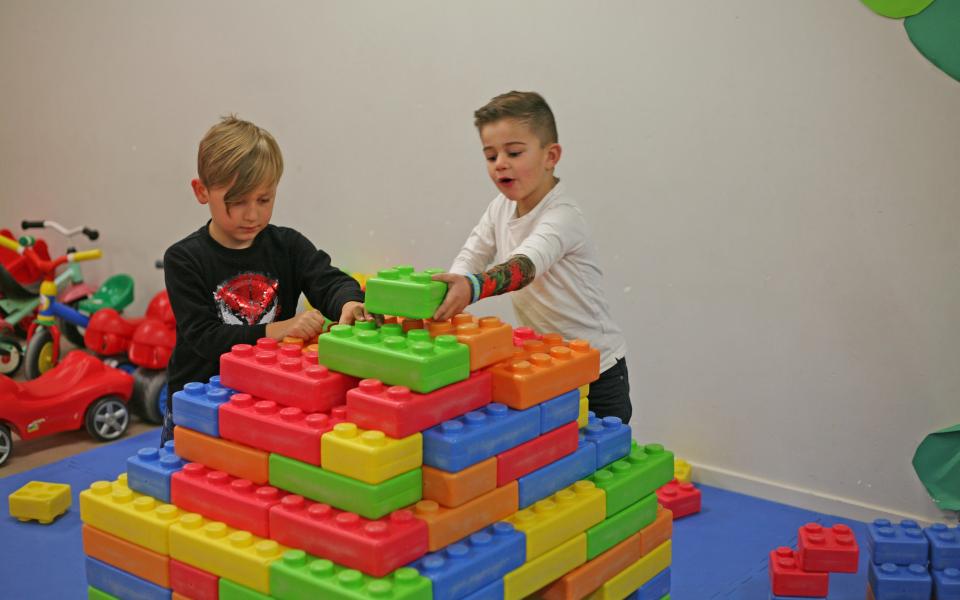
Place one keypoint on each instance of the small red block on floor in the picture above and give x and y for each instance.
(682, 499)
(828, 549)
(788, 579)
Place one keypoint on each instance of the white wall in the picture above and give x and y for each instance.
(773, 186)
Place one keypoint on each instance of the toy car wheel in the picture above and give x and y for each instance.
(150, 388)
(72, 332)
(107, 419)
(11, 355)
(6, 444)
(39, 355)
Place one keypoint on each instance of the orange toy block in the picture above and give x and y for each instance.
(529, 381)
(178, 596)
(657, 532)
(238, 460)
(453, 489)
(490, 340)
(589, 576)
(127, 556)
(447, 525)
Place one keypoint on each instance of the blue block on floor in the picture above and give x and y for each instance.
(944, 546)
(611, 437)
(946, 584)
(469, 565)
(901, 544)
(890, 581)
(149, 471)
(458, 443)
(493, 591)
(656, 588)
(197, 406)
(121, 584)
(559, 474)
(559, 411)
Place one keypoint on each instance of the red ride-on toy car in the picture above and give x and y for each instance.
(80, 391)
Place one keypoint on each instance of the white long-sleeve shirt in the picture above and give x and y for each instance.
(566, 296)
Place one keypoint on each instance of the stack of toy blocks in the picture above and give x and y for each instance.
(804, 572)
(910, 563)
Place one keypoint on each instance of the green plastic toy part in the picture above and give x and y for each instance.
(116, 293)
(231, 590)
(936, 34)
(640, 474)
(937, 463)
(897, 9)
(402, 292)
(613, 530)
(301, 576)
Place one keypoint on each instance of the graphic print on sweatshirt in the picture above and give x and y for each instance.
(248, 299)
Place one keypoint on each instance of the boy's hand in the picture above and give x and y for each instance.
(306, 326)
(459, 294)
(354, 311)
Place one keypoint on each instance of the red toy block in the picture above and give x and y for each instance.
(374, 547)
(682, 499)
(399, 413)
(216, 495)
(788, 579)
(522, 382)
(828, 550)
(522, 334)
(282, 430)
(538, 452)
(285, 375)
(192, 582)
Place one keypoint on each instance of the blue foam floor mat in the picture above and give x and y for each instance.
(720, 553)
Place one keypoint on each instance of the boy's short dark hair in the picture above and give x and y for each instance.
(526, 107)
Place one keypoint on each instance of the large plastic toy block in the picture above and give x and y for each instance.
(656, 588)
(657, 532)
(197, 407)
(536, 573)
(369, 455)
(222, 455)
(447, 525)
(403, 292)
(126, 556)
(473, 563)
(612, 438)
(828, 549)
(374, 547)
(897, 581)
(491, 591)
(451, 489)
(558, 411)
(537, 453)
(640, 474)
(192, 582)
(299, 576)
(416, 361)
(946, 584)
(216, 495)
(490, 340)
(149, 471)
(903, 544)
(121, 584)
(583, 417)
(523, 334)
(40, 501)
(589, 576)
(558, 475)
(399, 412)
(944, 546)
(788, 579)
(682, 499)
(616, 528)
(285, 375)
(540, 376)
(224, 551)
(118, 510)
(95, 594)
(636, 575)
(567, 513)
(231, 590)
(458, 443)
(370, 500)
(268, 426)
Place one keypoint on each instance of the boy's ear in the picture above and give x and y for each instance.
(553, 155)
(200, 191)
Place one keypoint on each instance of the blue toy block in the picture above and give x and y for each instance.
(197, 406)
(121, 584)
(558, 475)
(456, 444)
(611, 437)
(890, 581)
(944, 546)
(946, 583)
(656, 588)
(493, 591)
(149, 471)
(903, 544)
(474, 562)
(559, 411)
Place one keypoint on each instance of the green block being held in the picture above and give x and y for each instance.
(300, 576)
(610, 532)
(642, 472)
(402, 292)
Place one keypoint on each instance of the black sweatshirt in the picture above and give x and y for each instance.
(223, 297)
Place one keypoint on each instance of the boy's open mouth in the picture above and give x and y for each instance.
(506, 180)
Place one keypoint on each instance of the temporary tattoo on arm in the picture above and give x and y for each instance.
(510, 276)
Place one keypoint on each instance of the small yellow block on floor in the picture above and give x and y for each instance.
(583, 419)
(681, 470)
(367, 455)
(536, 573)
(625, 582)
(550, 522)
(216, 548)
(115, 508)
(40, 501)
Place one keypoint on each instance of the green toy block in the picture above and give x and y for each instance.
(613, 530)
(98, 594)
(645, 470)
(415, 361)
(401, 292)
(301, 576)
(371, 501)
(231, 590)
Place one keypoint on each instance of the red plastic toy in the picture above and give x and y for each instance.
(788, 579)
(828, 549)
(191, 582)
(538, 452)
(682, 499)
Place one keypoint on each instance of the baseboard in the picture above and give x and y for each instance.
(820, 502)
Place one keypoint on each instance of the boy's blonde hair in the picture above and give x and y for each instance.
(527, 107)
(238, 154)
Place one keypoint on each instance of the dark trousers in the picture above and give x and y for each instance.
(166, 434)
(610, 394)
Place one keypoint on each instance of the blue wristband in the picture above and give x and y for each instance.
(476, 287)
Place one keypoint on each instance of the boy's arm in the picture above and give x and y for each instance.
(325, 286)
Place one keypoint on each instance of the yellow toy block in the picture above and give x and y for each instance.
(681, 470)
(625, 582)
(116, 509)
(536, 573)
(216, 548)
(584, 390)
(550, 522)
(583, 419)
(367, 455)
(40, 501)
